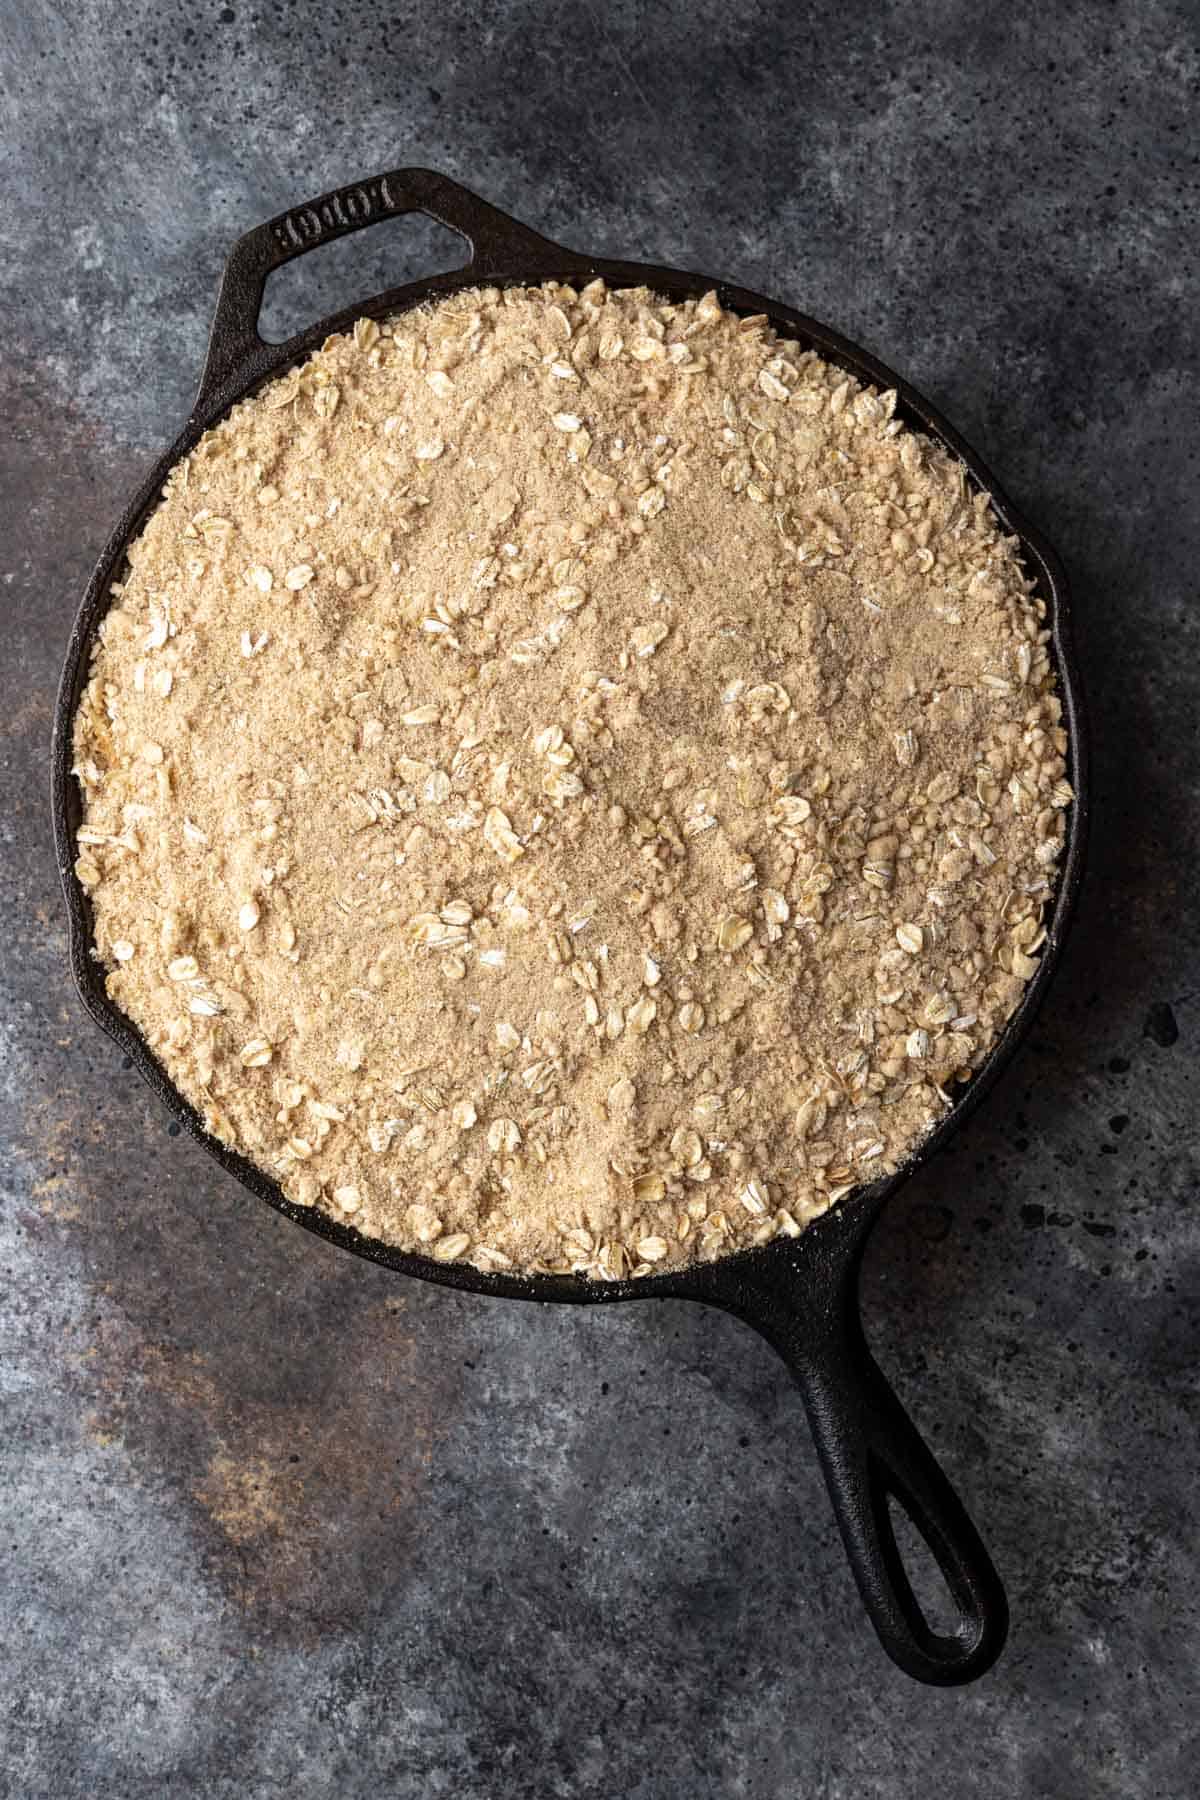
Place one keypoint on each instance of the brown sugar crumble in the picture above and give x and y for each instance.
(569, 781)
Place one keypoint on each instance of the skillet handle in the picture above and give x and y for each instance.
(807, 1307)
(498, 245)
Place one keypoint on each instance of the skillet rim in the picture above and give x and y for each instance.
(841, 1231)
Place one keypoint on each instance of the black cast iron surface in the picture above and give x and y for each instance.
(803, 1296)
(268, 1533)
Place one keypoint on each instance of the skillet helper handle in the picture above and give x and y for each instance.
(498, 245)
(870, 1453)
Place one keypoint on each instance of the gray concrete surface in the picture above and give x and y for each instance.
(276, 1523)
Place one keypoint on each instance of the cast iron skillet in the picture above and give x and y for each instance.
(801, 1294)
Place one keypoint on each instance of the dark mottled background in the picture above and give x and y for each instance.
(276, 1523)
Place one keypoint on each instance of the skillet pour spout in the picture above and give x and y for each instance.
(802, 1294)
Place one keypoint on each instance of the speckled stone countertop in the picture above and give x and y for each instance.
(277, 1523)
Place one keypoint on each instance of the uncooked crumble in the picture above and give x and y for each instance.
(570, 781)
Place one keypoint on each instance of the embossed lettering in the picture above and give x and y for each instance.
(307, 225)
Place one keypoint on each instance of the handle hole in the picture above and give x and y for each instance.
(930, 1589)
(359, 265)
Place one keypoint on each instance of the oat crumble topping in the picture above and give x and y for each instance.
(570, 781)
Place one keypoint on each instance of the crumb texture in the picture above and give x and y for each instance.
(570, 780)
